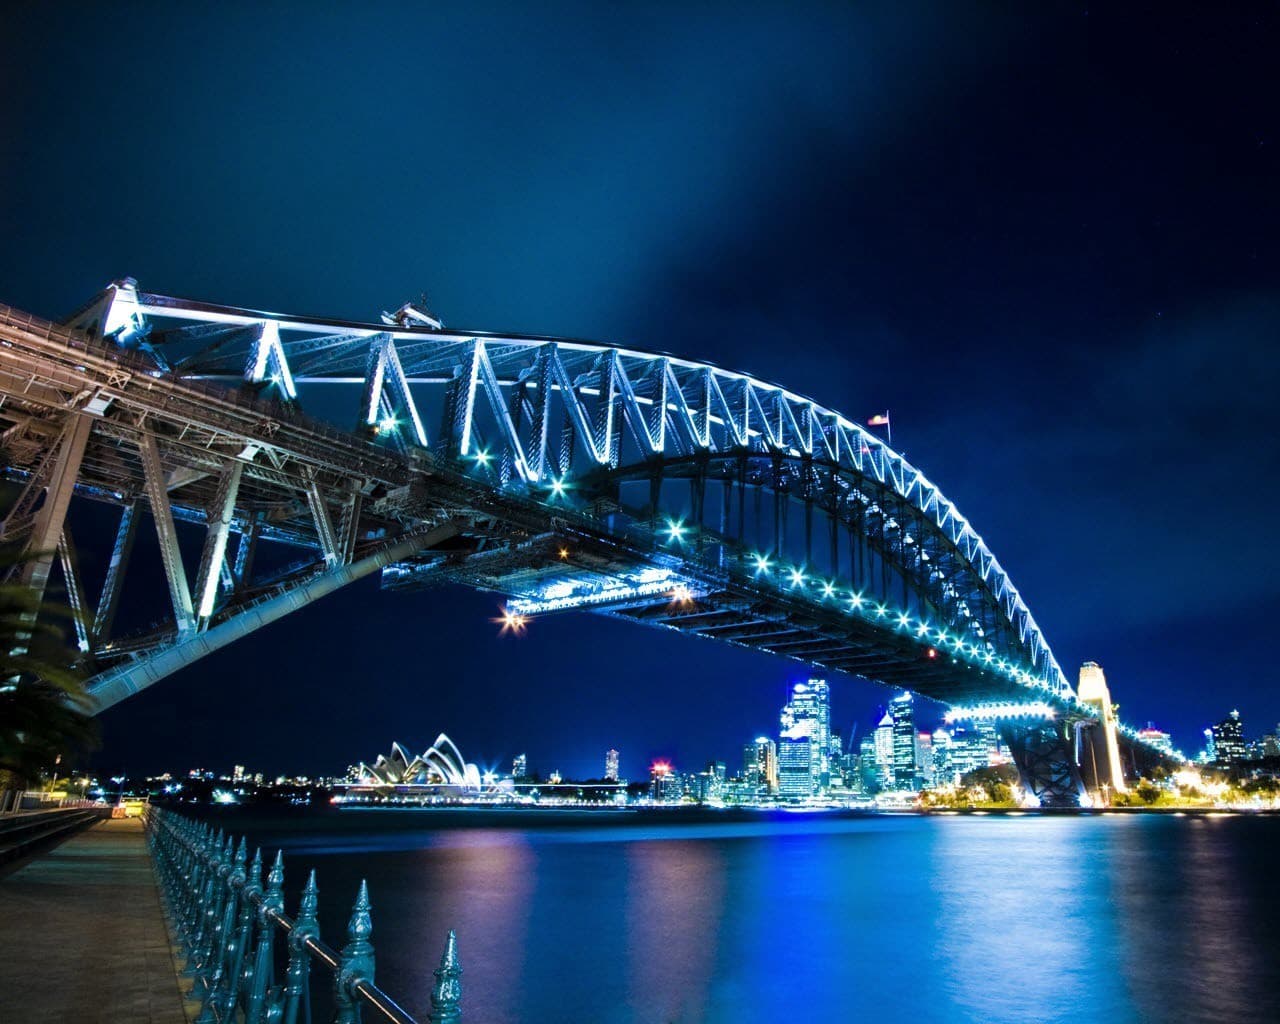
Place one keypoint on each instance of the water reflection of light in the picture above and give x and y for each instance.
(479, 884)
(1014, 941)
(675, 900)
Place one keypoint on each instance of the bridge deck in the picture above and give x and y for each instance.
(84, 936)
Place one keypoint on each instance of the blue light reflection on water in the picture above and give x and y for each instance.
(958, 919)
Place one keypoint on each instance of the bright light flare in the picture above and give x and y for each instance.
(512, 622)
(681, 594)
(558, 487)
(828, 590)
(676, 530)
(762, 564)
(797, 576)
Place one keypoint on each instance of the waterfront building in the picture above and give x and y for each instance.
(795, 764)
(902, 715)
(611, 765)
(440, 771)
(665, 784)
(1158, 739)
(520, 767)
(1227, 739)
(760, 764)
(808, 713)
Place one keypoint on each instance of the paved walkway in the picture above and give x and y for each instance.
(82, 936)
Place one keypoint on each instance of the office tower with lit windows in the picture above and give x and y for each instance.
(520, 767)
(884, 752)
(611, 765)
(795, 764)
(760, 764)
(924, 760)
(902, 714)
(1228, 740)
(808, 715)
(665, 784)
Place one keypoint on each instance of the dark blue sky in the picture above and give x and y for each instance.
(1046, 237)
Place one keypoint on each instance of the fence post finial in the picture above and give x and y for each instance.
(446, 994)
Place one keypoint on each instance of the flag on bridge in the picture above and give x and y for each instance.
(880, 419)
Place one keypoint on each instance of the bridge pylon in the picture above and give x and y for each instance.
(1045, 758)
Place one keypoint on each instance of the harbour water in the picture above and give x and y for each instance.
(628, 919)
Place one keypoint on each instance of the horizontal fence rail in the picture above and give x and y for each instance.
(232, 931)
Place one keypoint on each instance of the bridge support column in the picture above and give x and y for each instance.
(1046, 767)
(46, 530)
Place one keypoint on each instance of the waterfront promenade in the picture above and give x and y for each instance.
(83, 934)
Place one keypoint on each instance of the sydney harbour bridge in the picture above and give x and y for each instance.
(279, 458)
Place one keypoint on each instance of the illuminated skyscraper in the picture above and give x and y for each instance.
(808, 715)
(795, 765)
(520, 766)
(1228, 740)
(665, 785)
(760, 764)
(924, 760)
(884, 751)
(611, 765)
(902, 714)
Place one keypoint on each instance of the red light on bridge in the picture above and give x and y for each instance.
(931, 653)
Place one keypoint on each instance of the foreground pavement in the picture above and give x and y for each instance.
(83, 937)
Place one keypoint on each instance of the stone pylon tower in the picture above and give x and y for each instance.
(1092, 690)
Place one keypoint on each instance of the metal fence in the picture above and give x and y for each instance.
(234, 935)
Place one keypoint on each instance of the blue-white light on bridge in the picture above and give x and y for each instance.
(991, 712)
(676, 530)
(762, 564)
(558, 487)
(797, 576)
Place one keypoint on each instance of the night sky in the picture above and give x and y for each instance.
(1045, 236)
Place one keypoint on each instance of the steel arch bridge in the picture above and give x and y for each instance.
(560, 473)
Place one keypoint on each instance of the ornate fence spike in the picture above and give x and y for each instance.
(356, 959)
(275, 883)
(446, 994)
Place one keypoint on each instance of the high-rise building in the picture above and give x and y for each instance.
(924, 760)
(808, 715)
(943, 770)
(760, 764)
(902, 713)
(884, 751)
(1228, 740)
(611, 765)
(795, 765)
(665, 784)
(520, 766)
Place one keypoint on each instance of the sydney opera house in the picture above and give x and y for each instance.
(439, 773)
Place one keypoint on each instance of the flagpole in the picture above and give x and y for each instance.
(888, 427)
